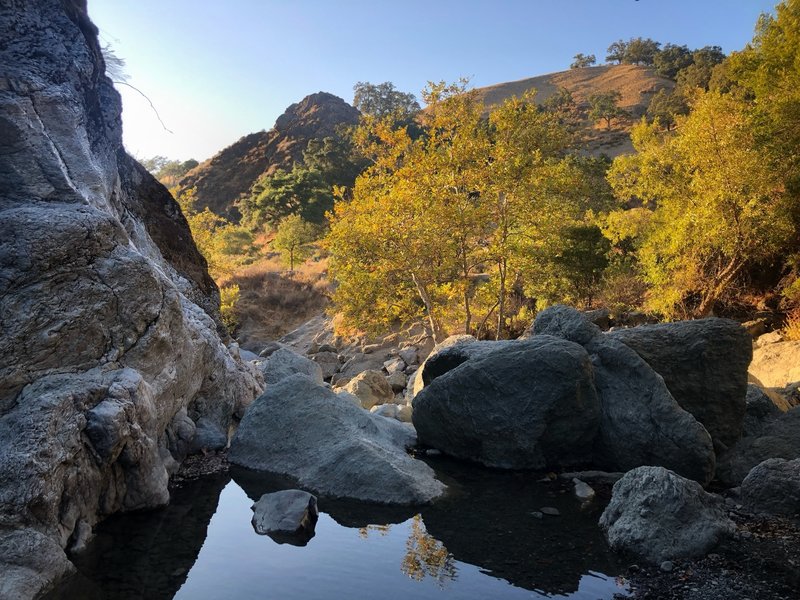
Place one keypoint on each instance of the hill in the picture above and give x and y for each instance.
(220, 180)
(637, 85)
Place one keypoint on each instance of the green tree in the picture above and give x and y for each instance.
(616, 52)
(716, 203)
(671, 59)
(382, 100)
(605, 106)
(665, 106)
(581, 61)
(293, 238)
(641, 51)
(301, 191)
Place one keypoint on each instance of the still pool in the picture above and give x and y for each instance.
(481, 541)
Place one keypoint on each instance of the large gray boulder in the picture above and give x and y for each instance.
(328, 445)
(658, 515)
(527, 404)
(287, 516)
(417, 383)
(284, 363)
(704, 364)
(779, 438)
(773, 486)
(640, 421)
(110, 324)
(760, 410)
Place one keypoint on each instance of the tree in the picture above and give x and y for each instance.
(671, 59)
(665, 106)
(605, 106)
(581, 61)
(301, 191)
(292, 239)
(699, 73)
(616, 52)
(715, 201)
(384, 100)
(641, 51)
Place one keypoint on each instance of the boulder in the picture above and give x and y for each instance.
(523, 404)
(371, 388)
(704, 364)
(287, 516)
(397, 381)
(283, 363)
(394, 365)
(302, 430)
(453, 340)
(354, 400)
(409, 355)
(385, 410)
(777, 365)
(328, 362)
(361, 362)
(772, 337)
(760, 410)
(208, 436)
(780, 438)
(773, 486)
(658, 515)
(640, 421)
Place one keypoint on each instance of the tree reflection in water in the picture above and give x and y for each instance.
(426, 556)
(383, 530)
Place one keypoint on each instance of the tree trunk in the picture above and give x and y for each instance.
(721, 282)
(436, 328)
(501, 298)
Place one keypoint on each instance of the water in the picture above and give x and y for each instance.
(479, 542)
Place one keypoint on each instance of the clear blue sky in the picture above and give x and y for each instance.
(219, 70)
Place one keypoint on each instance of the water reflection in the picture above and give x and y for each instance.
(426, 556)
(480, 541)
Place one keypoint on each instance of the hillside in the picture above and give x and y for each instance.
(220, 180)
(636, 84)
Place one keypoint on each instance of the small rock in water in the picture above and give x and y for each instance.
(667, 566)
(549, 510)
(536, 514)
(288, 516)
(583, 491)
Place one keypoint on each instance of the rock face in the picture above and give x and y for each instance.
(658, 515)
(760, 411)
(327, 444)
(109, 323)
(774, 487)
(288, 516)
(231, 172)
(284, 363)
(704, 364)
(779, 438)
(523, 405)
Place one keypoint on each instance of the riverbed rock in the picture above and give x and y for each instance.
(305, 431)
(760, 410)
(777, 365)
(640, 422)
(371, 388)
(658, 515)
(287, 516)
(780, 438)
(418, 383)
(110, 322)
(704, 365)
(397, 381)
(328, 362)
(283, 363)
(773, 487)
(523, 404)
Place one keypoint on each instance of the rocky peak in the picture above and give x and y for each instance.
(230, 173)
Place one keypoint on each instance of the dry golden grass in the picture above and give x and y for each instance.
(272, 301)
(791, 331)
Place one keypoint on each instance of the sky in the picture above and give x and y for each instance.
(216, 71)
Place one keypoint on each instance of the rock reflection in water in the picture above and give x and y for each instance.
(145, 554)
